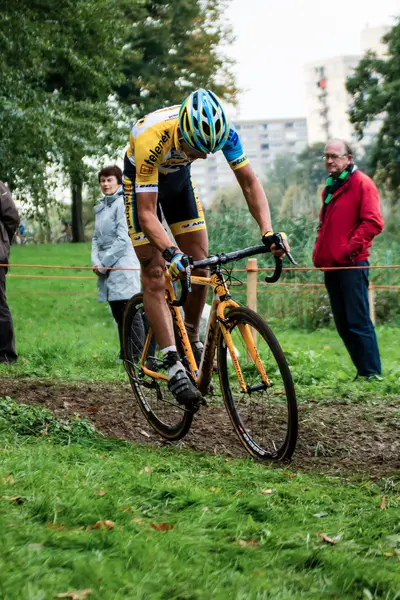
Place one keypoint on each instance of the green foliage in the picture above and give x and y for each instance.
(36, 421)
(178, 41)
(71, 70)
(375, 88)
(311, 168)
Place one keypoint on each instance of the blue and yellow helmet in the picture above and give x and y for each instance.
(203, 123)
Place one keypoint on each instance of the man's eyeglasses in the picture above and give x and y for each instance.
(332, 156)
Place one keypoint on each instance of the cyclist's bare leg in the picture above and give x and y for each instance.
(195, 244)
(152, 273)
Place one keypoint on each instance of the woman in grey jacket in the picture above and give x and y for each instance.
(112, 247)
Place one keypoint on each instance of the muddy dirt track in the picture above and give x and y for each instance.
(334, 437)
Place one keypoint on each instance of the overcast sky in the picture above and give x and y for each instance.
(275, 38)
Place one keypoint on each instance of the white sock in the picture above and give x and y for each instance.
(165, 351)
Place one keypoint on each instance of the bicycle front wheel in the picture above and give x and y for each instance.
(171, 420)
(264, 415)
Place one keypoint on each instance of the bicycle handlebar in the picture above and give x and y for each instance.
(222, 259)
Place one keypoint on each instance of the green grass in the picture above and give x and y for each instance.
(61, 329)
(62, 332)
(226, 539)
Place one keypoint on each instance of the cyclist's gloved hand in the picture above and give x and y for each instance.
(178, 261)
(176, 266)
(275, 241)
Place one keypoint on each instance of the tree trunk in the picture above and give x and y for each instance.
(78, 234)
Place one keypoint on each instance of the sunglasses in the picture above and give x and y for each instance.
(333, 156)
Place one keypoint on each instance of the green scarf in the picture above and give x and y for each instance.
(332, 185)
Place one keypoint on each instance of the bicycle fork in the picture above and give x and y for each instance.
(251, 347)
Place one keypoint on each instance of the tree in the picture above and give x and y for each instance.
(311, 168)
(172, 48)
(69, 66)
(375, 88)
(55, 81)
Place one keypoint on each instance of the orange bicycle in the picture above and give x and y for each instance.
(254, 377)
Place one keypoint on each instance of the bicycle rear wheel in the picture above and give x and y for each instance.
(171, 420)
(264, 417)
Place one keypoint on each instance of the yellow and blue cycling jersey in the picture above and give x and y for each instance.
(155, 162)
(154, 148)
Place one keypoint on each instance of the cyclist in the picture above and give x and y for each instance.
(157, 174)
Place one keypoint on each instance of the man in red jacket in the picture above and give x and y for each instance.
(350, 218)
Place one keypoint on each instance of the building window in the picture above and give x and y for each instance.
(264, 146)
(289, 125)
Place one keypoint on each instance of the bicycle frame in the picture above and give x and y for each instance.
(217, 320)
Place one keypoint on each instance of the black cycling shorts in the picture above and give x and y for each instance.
(177, 197)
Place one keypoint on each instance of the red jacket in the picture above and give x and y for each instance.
(352, 219)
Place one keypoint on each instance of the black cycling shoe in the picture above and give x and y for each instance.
(184, 391)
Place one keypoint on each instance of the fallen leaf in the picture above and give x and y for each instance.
(128, 509)
(139, 520)
(143, 432)
(55, 526)
(266, 492)
(162, 526)
(17, 499)
(383, 503)
(9, 479)
(103, 525)
(247, 543)
(389, 554)
(92, 409)
(76, 595)
(214, 489)
(327, 539)
(205, 509)
(238, 493)
(146, 470)
(102, 493)
(327, 347)
(288, 475)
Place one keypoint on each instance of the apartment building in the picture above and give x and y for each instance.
(262, 140)
(328, 101)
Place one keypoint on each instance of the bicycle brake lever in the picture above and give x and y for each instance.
(288, 254)
(290, 257)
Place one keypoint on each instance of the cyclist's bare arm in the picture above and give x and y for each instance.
(256, 199)
(152, 228)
